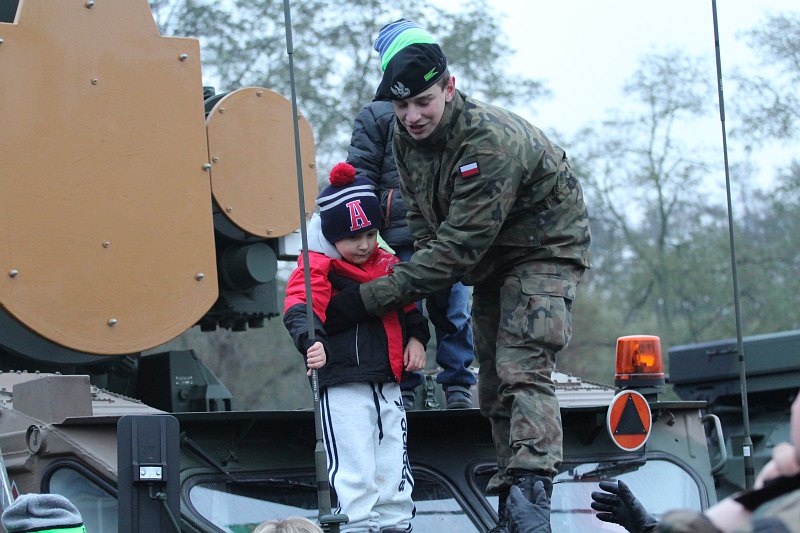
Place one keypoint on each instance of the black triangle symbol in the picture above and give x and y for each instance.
(630, 423)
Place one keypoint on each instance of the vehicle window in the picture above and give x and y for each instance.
(572, 488)
(238, 506)
(97, 506)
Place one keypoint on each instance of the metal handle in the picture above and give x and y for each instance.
(723, 451)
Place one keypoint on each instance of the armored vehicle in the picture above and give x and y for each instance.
(709, 372)
(138, 204)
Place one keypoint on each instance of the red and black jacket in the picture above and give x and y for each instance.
(373, 349)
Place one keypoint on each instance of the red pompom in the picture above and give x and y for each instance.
(343, 174)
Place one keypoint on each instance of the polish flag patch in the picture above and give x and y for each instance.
(470, 169)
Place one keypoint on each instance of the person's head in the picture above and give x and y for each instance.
(42, 513)
(350, 214)
(288, 525)
(415, 76)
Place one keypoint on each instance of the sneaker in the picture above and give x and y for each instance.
(409, 398)
(458, 397)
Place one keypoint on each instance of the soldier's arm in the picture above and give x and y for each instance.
(479, 206)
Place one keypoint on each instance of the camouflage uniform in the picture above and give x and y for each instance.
(493, 202)
(781, 515)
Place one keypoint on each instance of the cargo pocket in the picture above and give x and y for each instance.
(548, 316)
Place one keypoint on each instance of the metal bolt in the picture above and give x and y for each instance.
(206, 166)
(13, 273)
(89, 4)
(221, 110)
(183, 57)
(112, 322)
(260, 93)
(269, 232)
(229, 209)
(94, 81)
(106, 244)
(1, 40)
(215, 159)
(199, 276)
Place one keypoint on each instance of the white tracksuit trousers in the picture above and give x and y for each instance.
(364, 429)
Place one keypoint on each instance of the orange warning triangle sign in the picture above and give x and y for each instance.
(629, 420)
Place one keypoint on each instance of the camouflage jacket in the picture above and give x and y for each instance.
(781, 515)
(486, 190)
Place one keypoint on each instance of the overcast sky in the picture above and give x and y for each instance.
(584, 50)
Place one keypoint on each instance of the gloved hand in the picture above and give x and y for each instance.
(345, 310)
(619, 506)
(527, 517)
(437, 304)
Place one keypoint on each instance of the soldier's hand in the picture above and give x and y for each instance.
(618, 505)
(525, 516)
(437, 305)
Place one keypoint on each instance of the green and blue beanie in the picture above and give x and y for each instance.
(411, 60)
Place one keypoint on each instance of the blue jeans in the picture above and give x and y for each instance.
(454, 352)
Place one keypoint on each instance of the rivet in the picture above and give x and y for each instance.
(312, 165)
(199, 276)
(1, 40)
(13, 273)
(106, 244)
(89, 4)
(260, 93)
(221, 110)
(112, 322)
(183, 57)
(94, 81)
(206, 166)
(215, 159)
(269, 232)
(229, 209)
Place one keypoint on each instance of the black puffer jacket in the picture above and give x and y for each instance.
(371, 154)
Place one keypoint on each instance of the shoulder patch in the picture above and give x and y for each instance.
(470, 169)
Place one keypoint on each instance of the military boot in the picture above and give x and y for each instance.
(525, 483)
(502, 514)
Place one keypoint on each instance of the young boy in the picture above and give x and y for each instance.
(358, 366)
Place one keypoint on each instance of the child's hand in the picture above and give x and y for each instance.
(414, 355)
(315, 357)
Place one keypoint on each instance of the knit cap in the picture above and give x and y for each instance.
(348, 206)
(42, 513)
(410, 59)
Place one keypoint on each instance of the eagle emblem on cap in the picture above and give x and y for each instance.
(400, 90)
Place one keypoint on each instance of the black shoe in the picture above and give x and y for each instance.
(525, 483)
(502, 514)
(409, 400)
(458, 397)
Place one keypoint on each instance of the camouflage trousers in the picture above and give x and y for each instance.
(521, 320)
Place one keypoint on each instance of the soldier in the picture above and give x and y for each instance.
(491, 202)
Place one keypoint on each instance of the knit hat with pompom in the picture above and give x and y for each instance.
(348, 206)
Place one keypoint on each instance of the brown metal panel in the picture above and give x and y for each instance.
(254, 172)
(106, 232)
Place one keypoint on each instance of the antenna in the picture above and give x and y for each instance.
(329, 521)
(747, 443)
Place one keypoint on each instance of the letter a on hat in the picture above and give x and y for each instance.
(358, 218)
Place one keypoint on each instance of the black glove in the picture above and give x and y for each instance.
(618, 505)
(527, 517)
(437, 304)
(345, 310)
